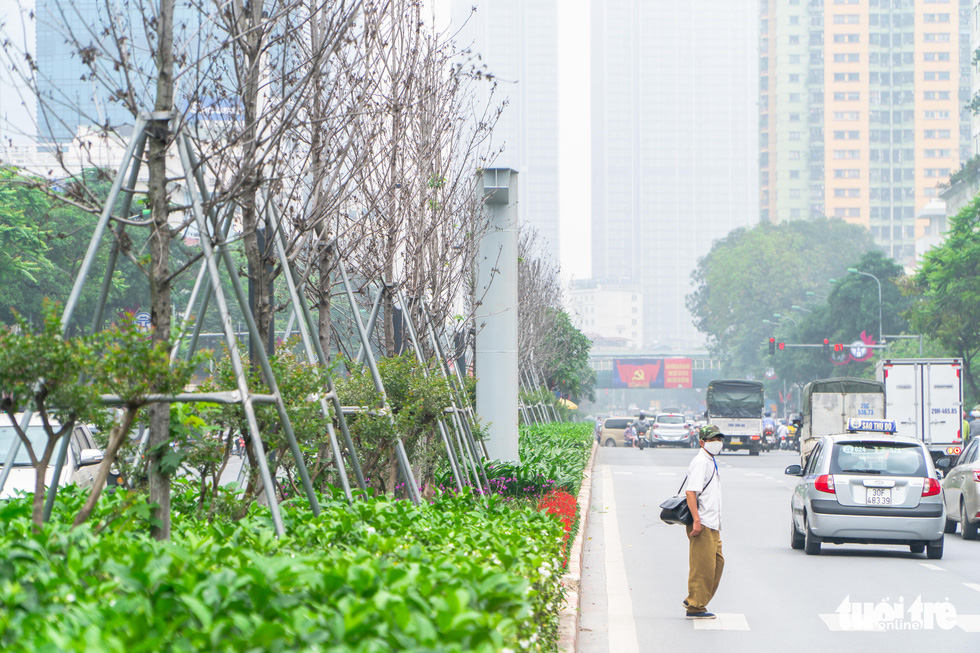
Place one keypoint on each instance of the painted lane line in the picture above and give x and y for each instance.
(619, 605)
(722, 622)
(930, 566)
(968, 623)
(973, 586)
(623, 473)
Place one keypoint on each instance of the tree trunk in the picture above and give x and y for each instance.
(116, 438)
(40, 471)
(323, 305)
(159, 139)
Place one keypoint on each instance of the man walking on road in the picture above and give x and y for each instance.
(703, 491)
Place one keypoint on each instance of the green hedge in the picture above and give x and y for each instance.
(460, 574)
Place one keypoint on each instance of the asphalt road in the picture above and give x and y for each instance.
(771, 597)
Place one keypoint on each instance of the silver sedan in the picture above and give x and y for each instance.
(961, 491)
(868, 488)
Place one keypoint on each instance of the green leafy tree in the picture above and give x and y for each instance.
(947, 292)
(565, 361)
(850, 309)
(755, 272)
(40, 371)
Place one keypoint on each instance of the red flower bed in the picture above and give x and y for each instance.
(564, 506)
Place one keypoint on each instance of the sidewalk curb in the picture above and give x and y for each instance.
(568, 619)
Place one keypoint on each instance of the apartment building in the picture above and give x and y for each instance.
(862, 111)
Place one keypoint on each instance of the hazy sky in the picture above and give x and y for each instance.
(573, 119)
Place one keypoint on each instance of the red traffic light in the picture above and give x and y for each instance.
(772, 340)
(826, 341)
(838, 347)
(782, 345)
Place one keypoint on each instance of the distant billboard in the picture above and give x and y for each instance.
(652, 373)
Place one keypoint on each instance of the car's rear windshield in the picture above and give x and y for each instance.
(35, 434)
(670, 419)
(616, 423)
(878, 458)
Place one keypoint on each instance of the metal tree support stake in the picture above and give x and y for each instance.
(410, 323)
(257, 345)
(305, 328)
(403, 462)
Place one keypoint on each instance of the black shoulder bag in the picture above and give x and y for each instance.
(675, 511)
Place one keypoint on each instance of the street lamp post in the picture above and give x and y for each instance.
(881, 333)
(786, 317)
(801, 309)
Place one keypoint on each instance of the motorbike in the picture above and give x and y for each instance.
(769, 438)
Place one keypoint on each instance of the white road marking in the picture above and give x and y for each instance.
(968, 623)
(722, 622)
(623, 473)
(622, 626)
(929, 565)
(973, 586)
(833, 623)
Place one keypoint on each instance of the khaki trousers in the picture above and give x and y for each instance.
(707, 563)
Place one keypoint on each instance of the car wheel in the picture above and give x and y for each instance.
(935, 551)
(610, 442)
(796, 539)
(918, 547)
(811, 543)
(950, 527)
(968, 529)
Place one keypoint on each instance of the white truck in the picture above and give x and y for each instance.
(828, 404)
(925, 399)
(735, 406)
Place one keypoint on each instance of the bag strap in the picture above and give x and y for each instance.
(710, 478)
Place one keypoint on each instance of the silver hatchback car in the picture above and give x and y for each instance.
(868, 488)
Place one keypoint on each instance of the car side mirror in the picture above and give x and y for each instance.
(90, 457)
(944, 463)
(794, 470)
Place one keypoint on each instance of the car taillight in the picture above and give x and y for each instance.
(755, 437)
(825, 483)
(931, 487)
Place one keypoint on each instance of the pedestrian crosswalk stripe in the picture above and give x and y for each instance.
(929, 565)
(973, 586)
(968, 623)
(722, 622)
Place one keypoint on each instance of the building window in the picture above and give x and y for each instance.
(795, 213)
(936, 37)
(847, 192)
(847, 38)
(794, 97)
(935, 18)
(794, 58)
(938, 154)
(794, 193)
(846, 19)
(794, 155)
(935, 95)
(936, 115)
(794, 136)
(795, 40)
(847, 77)
(847, 173)
(933, 75)
(794, 77)
(847, 115)
(936, 56)
(847, 135)
(847, 154)
(794, 174)
(936, 133)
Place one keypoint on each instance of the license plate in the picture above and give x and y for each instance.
(735, 441)
(879, 496)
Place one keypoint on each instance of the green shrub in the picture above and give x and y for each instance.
(459, 574)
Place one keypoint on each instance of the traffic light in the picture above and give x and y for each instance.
(782, 346)
(826, 345)
(838, 347)
(772, 346)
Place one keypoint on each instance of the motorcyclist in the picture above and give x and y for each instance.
(769, 428)
(782, 435)
(642, 425)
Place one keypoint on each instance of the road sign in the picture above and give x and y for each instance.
(142, 320)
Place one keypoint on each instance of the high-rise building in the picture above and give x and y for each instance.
(862, 111)
(517, 40)
(674, 145)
